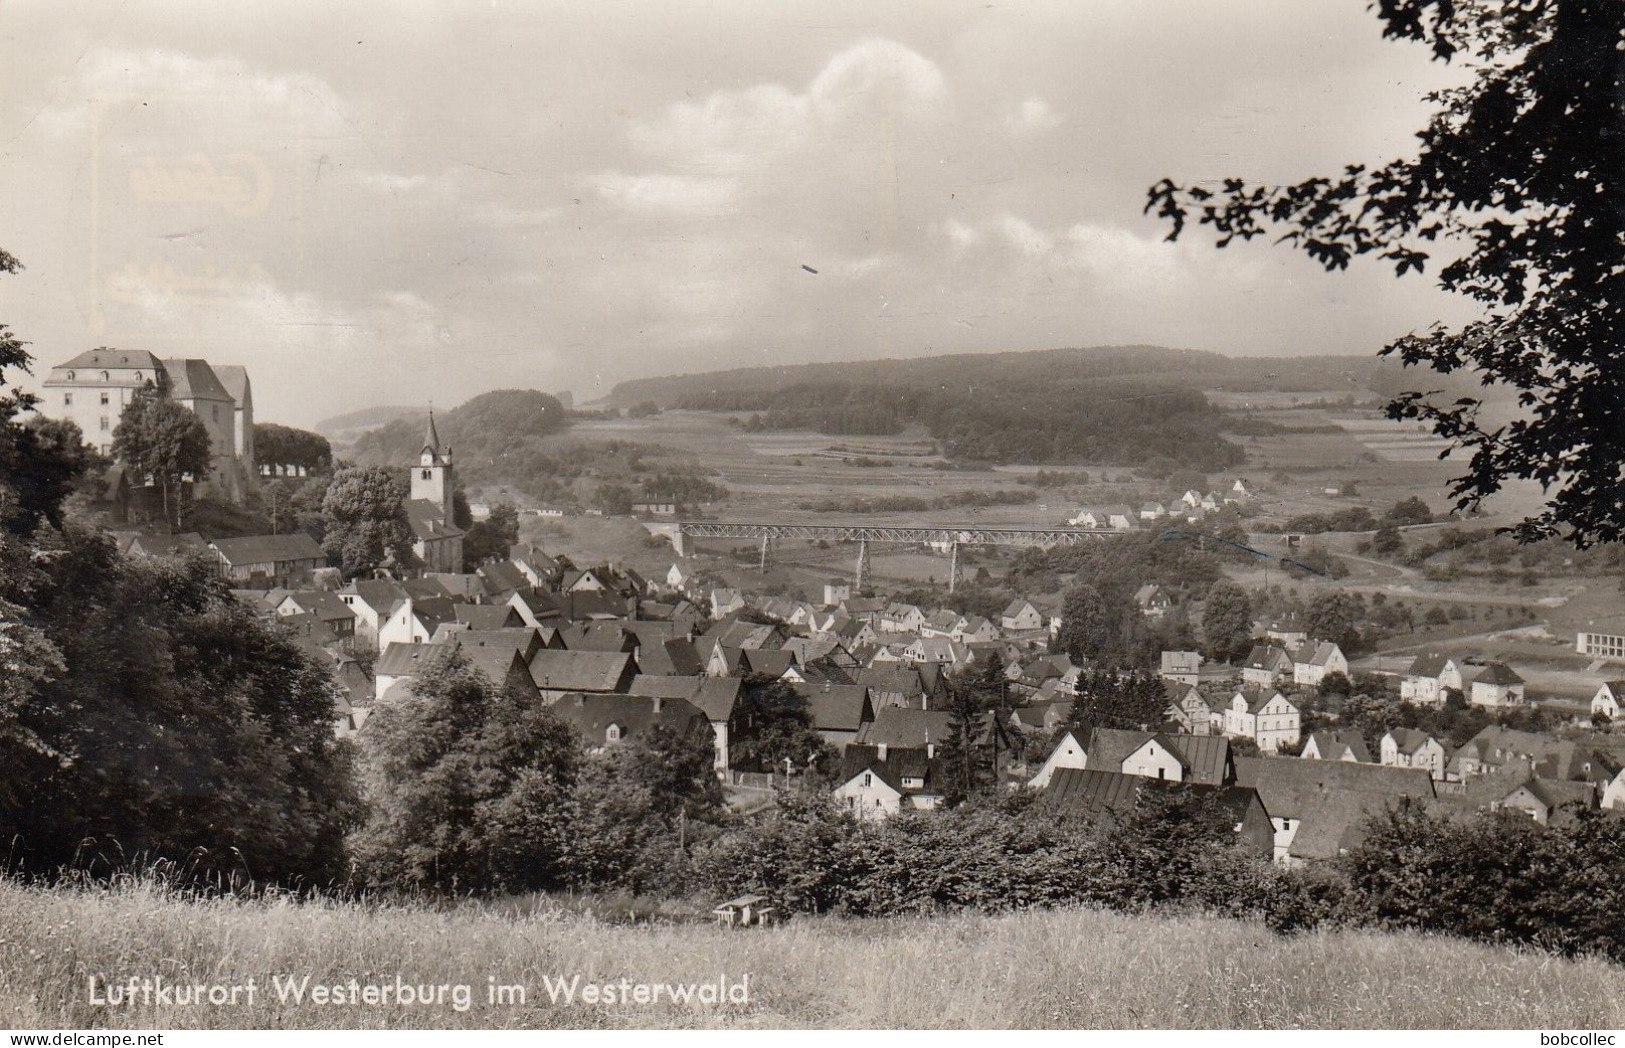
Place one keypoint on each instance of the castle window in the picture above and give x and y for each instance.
(104, 399)
(105, 427)
(70, 376)
(67, 399)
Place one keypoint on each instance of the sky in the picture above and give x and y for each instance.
(412, 203)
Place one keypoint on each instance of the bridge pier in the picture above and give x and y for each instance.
(863, 566)
(767, 543)
(953, 565)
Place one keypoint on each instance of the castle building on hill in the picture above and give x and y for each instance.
(95, 387)
(438, 541)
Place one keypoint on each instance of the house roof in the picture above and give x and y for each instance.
(194, 379)
(762, 660)
(1258, 696)
(1291, 786)
(402, 660)
(422, 588)
(589, 671)
(1498, 673)
(502, 575)
(112, 359)
(1410, 740)
(234, 377)
(1336, 744)
(381, 595)
(1429, 665)
(836, 707)
(675, 657)
(592, 715)
(904, 726)
(268, 549)
(486, 616)
(898, 765)
(466, 585)
(1094, 790)
(716, 697)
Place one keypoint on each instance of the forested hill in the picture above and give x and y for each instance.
(1093, 366)
(482, 430)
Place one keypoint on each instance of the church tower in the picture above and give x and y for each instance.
(432, 477)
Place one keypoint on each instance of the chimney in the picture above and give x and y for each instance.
(930, 750)
(880, 751)
(657, 704)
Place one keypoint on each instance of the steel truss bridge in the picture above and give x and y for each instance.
(947, 538)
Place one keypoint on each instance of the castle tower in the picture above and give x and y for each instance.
(432, 477)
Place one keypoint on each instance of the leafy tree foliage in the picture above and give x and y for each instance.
(175, 720)
(492, 537)
(1519, 173)
(780, 729)
(1099, 629)
(1334, 615)
(1227, 621)
(464, 783)
(364, 521)
(278, 445)
(158, 438)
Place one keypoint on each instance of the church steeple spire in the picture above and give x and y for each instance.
(431, 437)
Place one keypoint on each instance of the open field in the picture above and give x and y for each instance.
(1062, 969)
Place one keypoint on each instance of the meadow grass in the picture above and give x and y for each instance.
(1074, 968)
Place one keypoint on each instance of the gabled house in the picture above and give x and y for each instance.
(1153, 511)
(1153, 601)
(1266, 665)
(901, 618)
(1495, 747)
(605, 721)
(1542, 799)
(415, 620)
(1193, 712)
(1496, 684)
(1314, 660)
(1182, 666)
(1069, 752)
(974, 629)
(720, 699)
(1606, 702)
(839, 712)
(558, 673)
(1429, 678)
(1021, 616)
(880, 780)
(398, 662)
(1264, 715)
(1319, 809)
(1105, 792)
(263, 561)
(1336, 745)
(326, 606)
(1414, 748)
(371, 601)
(725, 602)
(1159, 755)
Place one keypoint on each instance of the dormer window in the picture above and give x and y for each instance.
(613, 733)
(106, 377)
(70, 376)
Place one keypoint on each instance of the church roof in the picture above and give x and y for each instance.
(431, 436)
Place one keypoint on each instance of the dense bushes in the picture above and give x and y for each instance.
(813, 856)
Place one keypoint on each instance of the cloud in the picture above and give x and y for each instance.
(665, 192)
(1032, 116)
